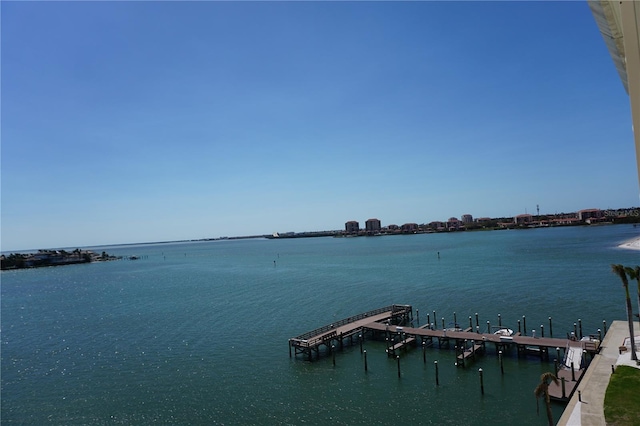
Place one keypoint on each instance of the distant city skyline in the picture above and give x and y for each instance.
(133, 122)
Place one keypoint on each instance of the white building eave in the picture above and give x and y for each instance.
(619, 24)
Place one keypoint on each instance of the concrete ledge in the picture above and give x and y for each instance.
(590, 412)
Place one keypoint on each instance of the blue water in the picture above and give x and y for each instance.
(197, 333)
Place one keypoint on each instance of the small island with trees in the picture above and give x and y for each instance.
(51, 258)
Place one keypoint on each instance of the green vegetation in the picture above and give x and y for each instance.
(49, 258)
(622, 400)
(542, 391)
(621, 272)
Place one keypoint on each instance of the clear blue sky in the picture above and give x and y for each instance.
(150, 121)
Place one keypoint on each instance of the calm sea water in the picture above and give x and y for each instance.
(197, 333)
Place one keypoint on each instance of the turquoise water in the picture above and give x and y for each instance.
(196, 333)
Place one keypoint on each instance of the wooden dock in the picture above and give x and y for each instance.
(524, 344)
(390, 323)
(567, 385)
(336, 333)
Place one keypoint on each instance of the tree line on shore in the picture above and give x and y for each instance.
(50, 258)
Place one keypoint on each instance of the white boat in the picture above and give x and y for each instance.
(504, 332)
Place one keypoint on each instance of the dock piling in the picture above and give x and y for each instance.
(333, 354)
(360, 338)
(418, 316)
(435, 320)
(519, 330)
(524, 324)
(501, 363)
(443, 327)
(580, 326)
(541, 330)
(398, 359)
(550, 328)
(437, 380)
(477, 323)
(604, 326)
(488, 327)
(424, 352)
(455, 320)
(481, 381)
(575, 329)
(564, 392)
(499, 320)
(470, 323)
(600, 335)
(365, 361)
(573, 373)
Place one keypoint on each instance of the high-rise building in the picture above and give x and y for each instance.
(372, 226)
(467, 218)
(352, 227)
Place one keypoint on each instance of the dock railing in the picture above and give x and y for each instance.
(326, 328)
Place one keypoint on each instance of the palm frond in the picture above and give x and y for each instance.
(620, 272)
(631, 272)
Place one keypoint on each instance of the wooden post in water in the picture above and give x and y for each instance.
(437, 380)
(365, 361)
(519, 330)
(550, 328)
(558, 352)
(398, 358)
(524, 324)
(333, 352)
(573, 373)
(501, 364)
(289, 348)
(499, 320)
(575, 329)
(424, 352)
(564, 392)
(600, 335)
(418, 316)
(470, 323)
(455, 320)
(604, 326)
(541, 330)
(488, 327)
(455, 350)
(580, 326)
(428, 321)
(481, 381)
(477, 323)
(435, 320)
(360, 337)
(443, 327)
(555, 364)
